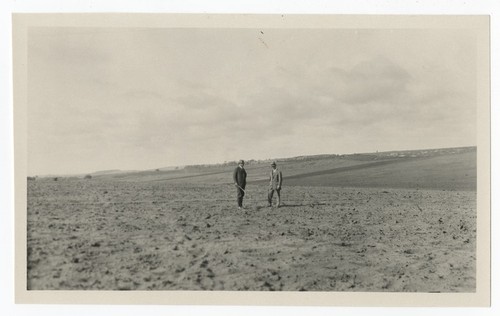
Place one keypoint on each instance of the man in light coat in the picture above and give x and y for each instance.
(276, 179)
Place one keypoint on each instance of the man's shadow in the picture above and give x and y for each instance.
(304, 204)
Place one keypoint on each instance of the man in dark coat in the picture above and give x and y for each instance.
(276, 179)
(240, 181)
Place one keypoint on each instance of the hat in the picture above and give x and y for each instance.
(240, 162)
(273, 163)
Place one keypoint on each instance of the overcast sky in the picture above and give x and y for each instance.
(119, 98)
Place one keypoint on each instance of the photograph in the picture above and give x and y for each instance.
(214, 154)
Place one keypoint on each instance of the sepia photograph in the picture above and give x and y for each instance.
(231, 154)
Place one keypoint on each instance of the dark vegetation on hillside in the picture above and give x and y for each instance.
(446, 169)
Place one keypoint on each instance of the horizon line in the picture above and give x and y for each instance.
(251, 159)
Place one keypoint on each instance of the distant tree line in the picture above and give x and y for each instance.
(221, 165)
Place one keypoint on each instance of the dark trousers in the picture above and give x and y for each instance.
(270, 196)
(240, 195)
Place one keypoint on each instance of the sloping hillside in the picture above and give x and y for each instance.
(447, 172)
(445, 169)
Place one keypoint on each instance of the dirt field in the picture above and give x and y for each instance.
(109, 234)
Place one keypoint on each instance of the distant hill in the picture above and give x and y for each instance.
(103, 172)
(452, 171)
(447, 169)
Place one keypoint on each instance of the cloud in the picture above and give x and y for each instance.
(377, 79)
(108, 97)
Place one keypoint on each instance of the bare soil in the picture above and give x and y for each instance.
(123, 235)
